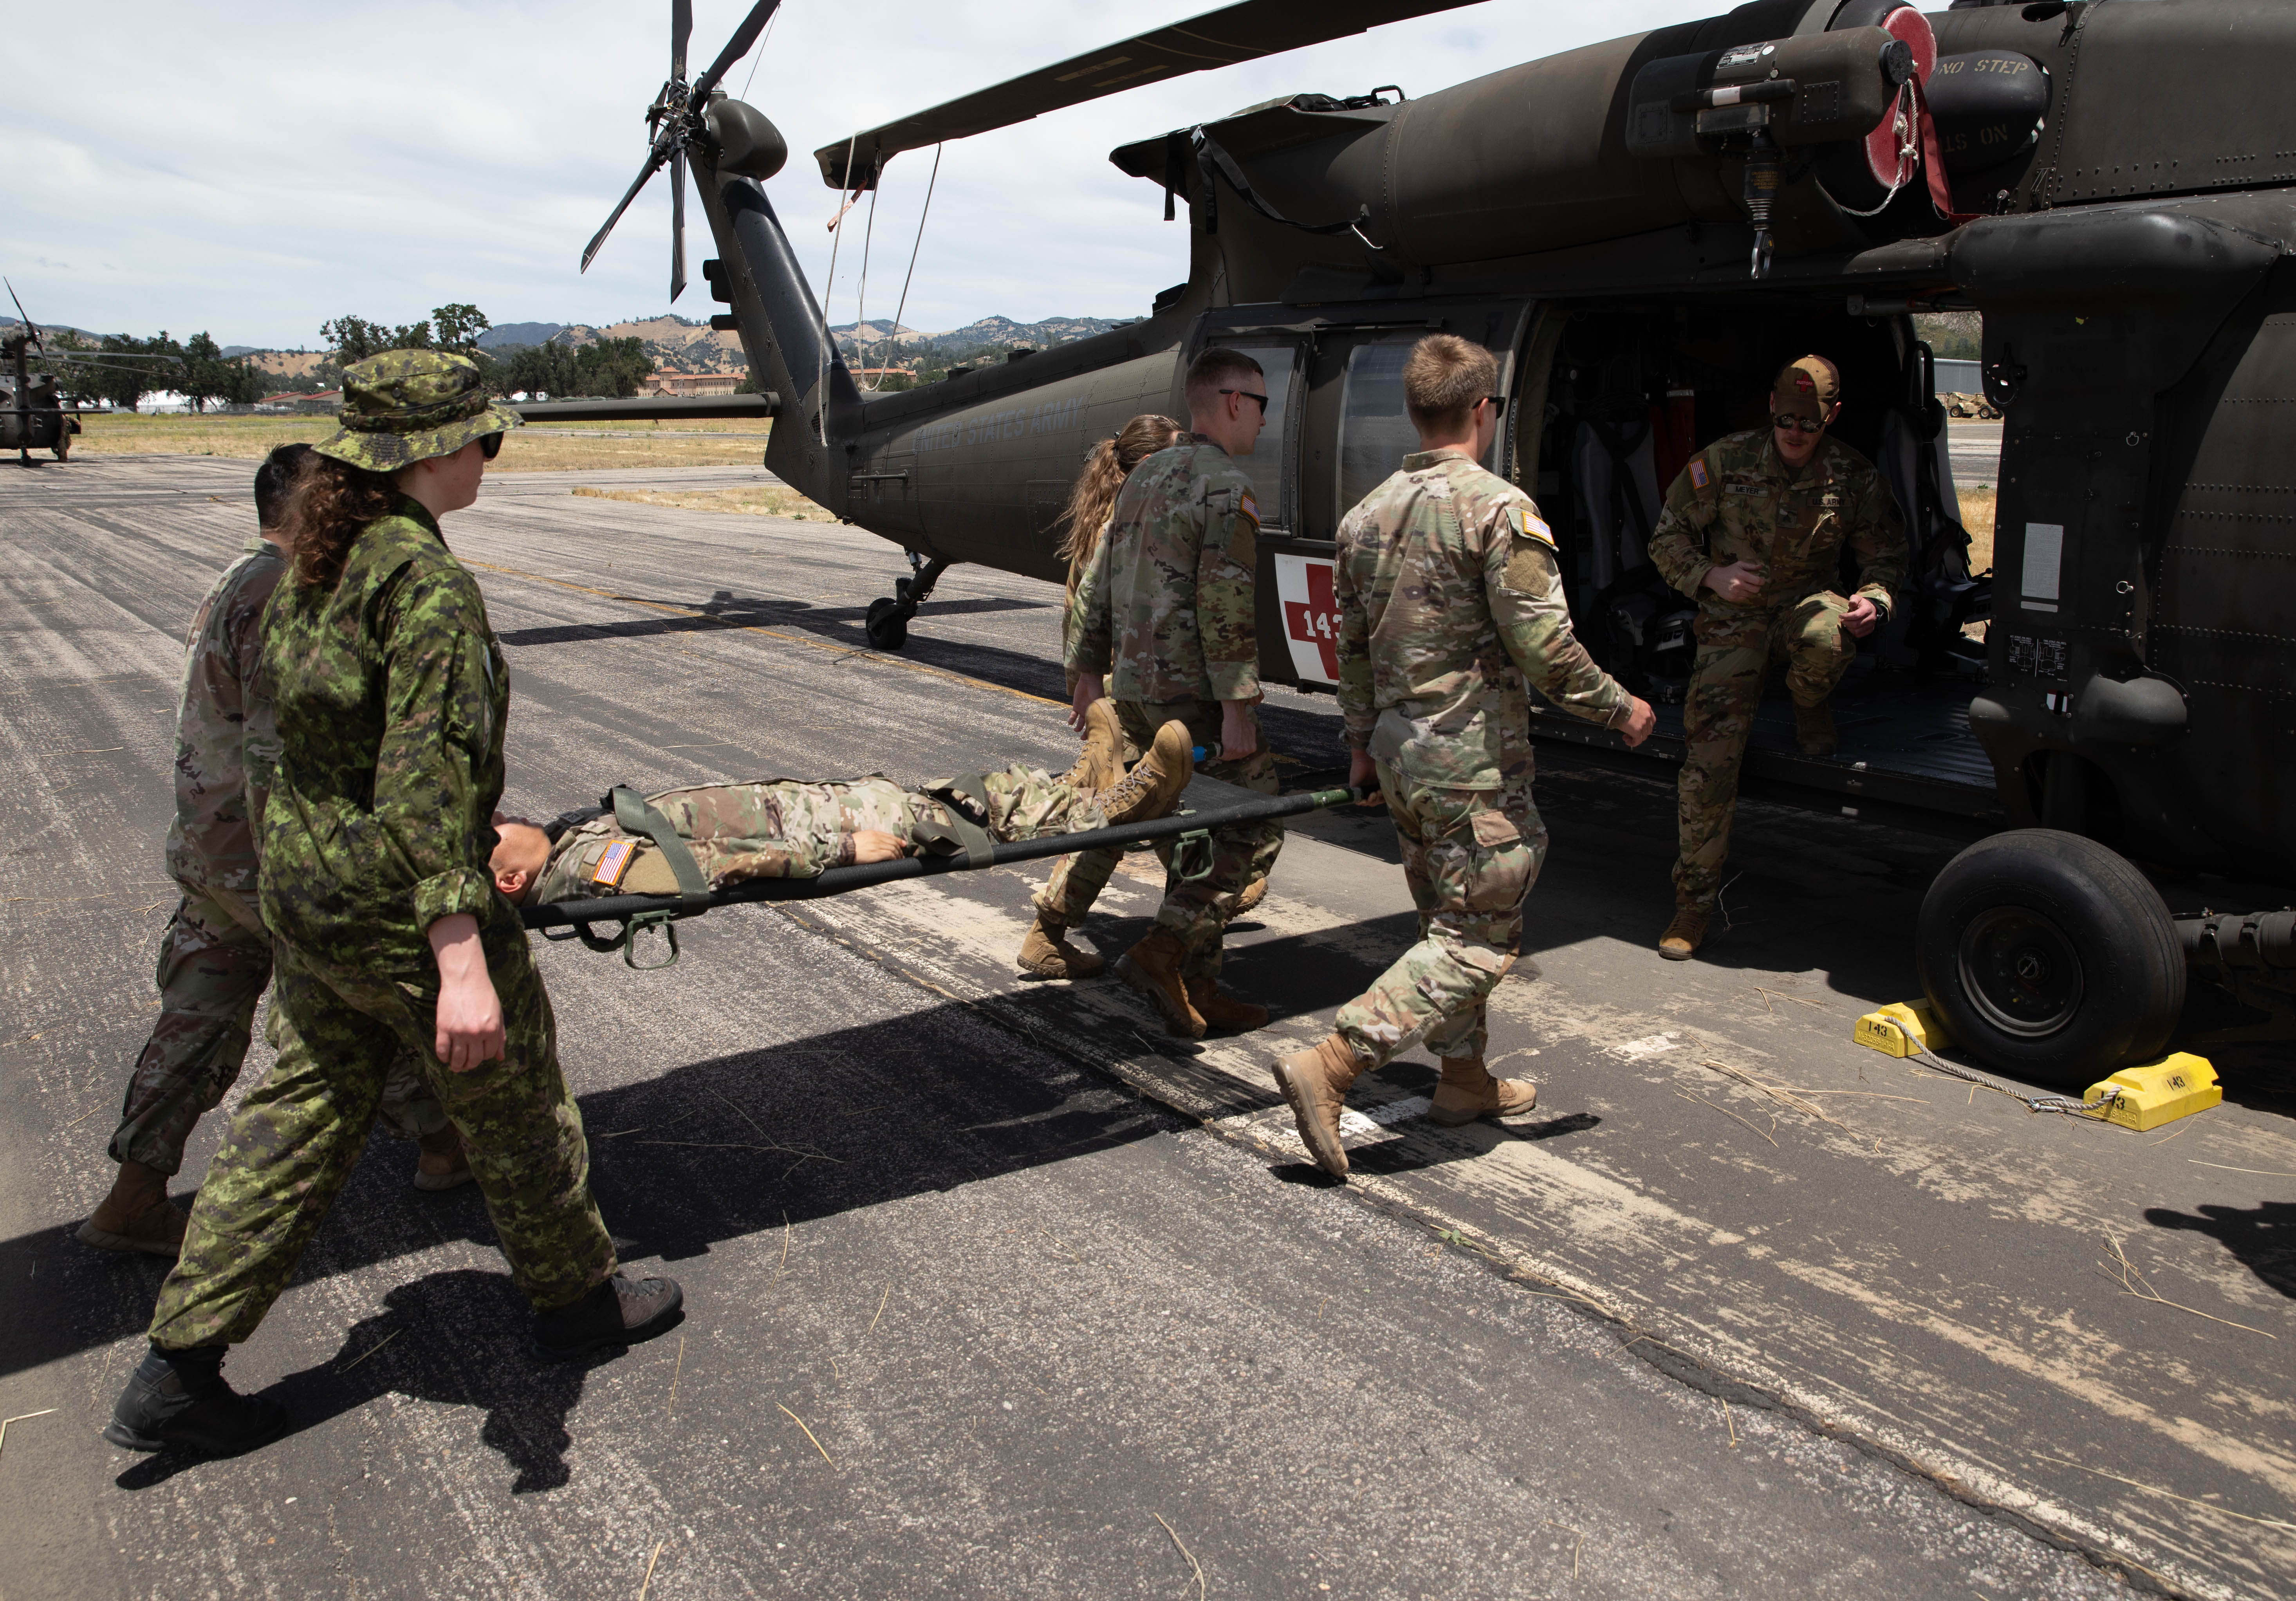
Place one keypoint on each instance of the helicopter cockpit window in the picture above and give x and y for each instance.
(1375, 431)
(1268, 465)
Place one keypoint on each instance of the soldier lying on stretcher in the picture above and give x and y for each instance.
(792, 829)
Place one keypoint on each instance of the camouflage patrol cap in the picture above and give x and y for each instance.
(405, 407)
(1808, 387)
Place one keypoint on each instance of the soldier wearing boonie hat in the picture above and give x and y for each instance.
(389, 934)
(1753, 528)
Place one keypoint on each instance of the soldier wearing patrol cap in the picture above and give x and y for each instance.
(1753, 528)
(389, 934)
(1449, 598)
(1168, 602)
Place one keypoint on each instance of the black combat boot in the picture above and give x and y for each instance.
(177, 1401)
(621, 1311)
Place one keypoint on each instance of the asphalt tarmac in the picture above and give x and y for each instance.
(996, 1290)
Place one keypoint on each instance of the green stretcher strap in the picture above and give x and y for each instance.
(633, 814)
(955, 834)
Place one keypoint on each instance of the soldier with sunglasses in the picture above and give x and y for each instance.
(1754, 528)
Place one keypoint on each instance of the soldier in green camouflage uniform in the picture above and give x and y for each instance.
(785, 828)
(1449, 598)
(391, 698)
(215, 957)
(1167, 605)
(1753, 528)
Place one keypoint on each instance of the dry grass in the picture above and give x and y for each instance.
(755, 500)
(1977, 517)
(729, 442)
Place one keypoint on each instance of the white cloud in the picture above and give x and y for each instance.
(255, 171)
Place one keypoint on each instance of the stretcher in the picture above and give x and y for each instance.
(1206, 804)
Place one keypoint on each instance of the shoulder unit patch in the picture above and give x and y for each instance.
(1698, 474)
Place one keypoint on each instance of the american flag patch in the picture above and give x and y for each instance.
(1698, 472)
(1250, 508)
(614, 863)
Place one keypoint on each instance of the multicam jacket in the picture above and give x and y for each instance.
(391, 697)
(774, 828)
(1167, 602)
(1737, 501)
(1449, 597)
(226, 739)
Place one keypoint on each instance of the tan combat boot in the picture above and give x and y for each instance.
(1468, 1091)
(136, 1215)
(1221, 1010)
(1685, 933)
(1152, 967)
(1046, 953)
(1254, 893)
(1315, 1082)
(1813, 729)
(1102, 761)
(1149, 790)
(443, 1164)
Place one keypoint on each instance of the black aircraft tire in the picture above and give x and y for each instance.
(886, 629)
(2050, 957)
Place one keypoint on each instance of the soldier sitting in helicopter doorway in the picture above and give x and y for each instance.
(1753, 527)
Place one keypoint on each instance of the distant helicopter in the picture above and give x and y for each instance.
(1643, 231)
(32, 413)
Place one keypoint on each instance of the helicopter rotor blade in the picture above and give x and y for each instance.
(681, 27)
(1237, 33)
(677, 222)
(24, 316)
(736, 47)
(654, 158)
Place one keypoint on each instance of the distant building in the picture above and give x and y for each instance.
(291, 401)
(692, 383)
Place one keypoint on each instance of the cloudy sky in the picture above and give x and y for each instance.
(255, 170)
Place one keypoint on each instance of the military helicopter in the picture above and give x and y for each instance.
(32, 413)
(1641, 231)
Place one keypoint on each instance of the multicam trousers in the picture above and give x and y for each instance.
(214, 963)
(1197, 908)
(1717, 714)
(1076, 881)
(297, 1136)
(1470, 857)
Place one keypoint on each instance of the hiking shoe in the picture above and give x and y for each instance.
(1152, 786)
(177, 1400)
(1315, 1082)
(1685, 933)
(1046, 953)
(1152, 967)
(1102, 761)
(443, 1164)
(136, 1215)
(1813, 729)
(620, 1311)
(1221, 1010)
(1254, 892)
(1468, 1091)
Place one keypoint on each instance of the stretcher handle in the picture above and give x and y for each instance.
(837, 881)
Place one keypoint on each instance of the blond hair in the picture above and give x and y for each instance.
(1111, 462)
(1443, 378)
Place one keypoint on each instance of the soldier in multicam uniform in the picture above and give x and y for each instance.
(1167, 602)
(1076, 881)
(785, 828)
(214, 959)
(391, 695)
(1449, 597)
(1753, 528)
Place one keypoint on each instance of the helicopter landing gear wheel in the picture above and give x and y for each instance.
(887, 624)
(2050, 957)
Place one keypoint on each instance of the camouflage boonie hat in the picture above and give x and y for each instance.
(405, 407)
(1806, 388)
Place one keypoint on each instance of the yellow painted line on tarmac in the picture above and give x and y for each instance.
(749, 627)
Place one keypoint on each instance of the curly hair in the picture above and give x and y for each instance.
(330, 503)
(1111, 462)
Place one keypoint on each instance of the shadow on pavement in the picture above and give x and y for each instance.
(2263, 1237)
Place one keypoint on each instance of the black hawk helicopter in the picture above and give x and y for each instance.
(33, 416)
(1643, 231)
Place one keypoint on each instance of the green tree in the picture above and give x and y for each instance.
(355, 339)
(604, 367)
(209, 376)
(126, 383)
(457, 327)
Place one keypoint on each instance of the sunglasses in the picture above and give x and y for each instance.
(1250, 395)
(1785, 425)
(490, 445)
(1497, 403)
